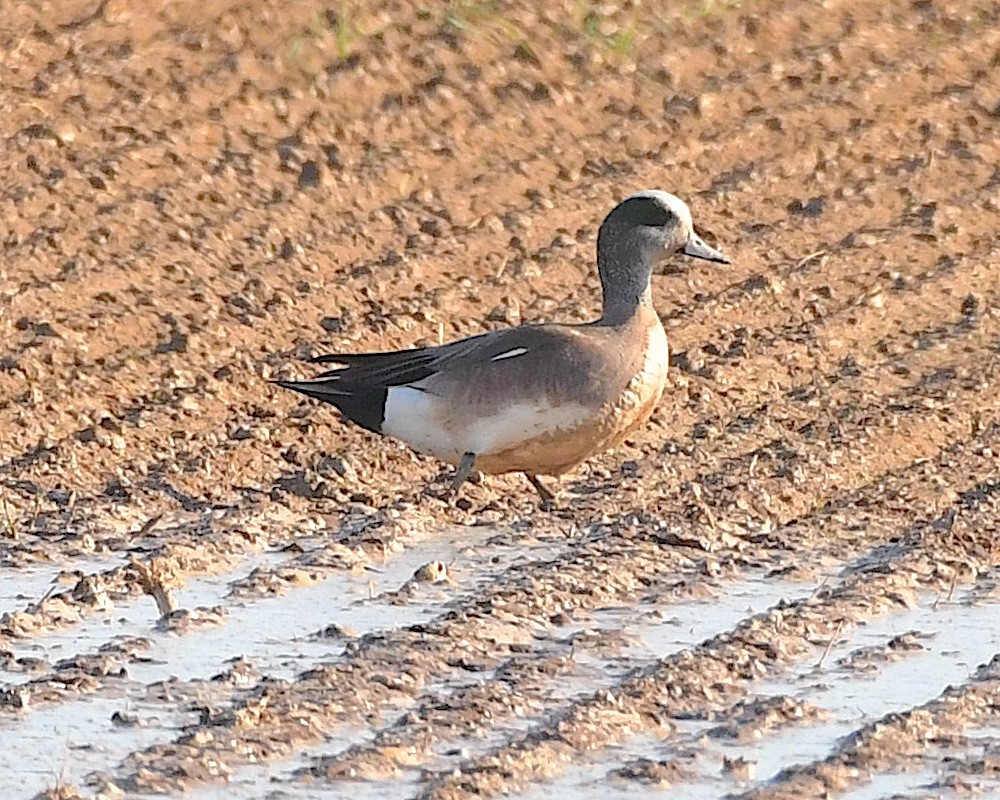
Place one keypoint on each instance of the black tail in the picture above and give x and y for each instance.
(362, 405)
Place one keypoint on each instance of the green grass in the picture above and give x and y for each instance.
(344, 29)
(479, 17)
(336, 30)
(705, 8)
(467, 15)
(589, 21)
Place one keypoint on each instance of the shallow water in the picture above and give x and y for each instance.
(277, 633)
(964, 636)
(64, 744)
(652, 633)
(67, 741)
(23, 586)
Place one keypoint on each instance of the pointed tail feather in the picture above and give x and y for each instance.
(330, 358)
(320, 389)
(365, 406)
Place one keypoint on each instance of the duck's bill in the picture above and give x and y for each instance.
(696, 248)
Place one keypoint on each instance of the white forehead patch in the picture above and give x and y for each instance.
(671, 202)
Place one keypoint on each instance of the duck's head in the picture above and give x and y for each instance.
(641, 231)
(649, 226)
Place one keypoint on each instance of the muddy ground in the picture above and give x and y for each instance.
(785, 585)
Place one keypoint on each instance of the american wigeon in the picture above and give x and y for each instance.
(537, 399)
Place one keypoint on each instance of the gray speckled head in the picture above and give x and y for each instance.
(639, 232)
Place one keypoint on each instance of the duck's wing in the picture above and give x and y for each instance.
(544, 362)
(507, 391)
(396, 367)
(360, 383)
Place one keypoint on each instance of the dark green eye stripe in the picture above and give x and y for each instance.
(643, 211)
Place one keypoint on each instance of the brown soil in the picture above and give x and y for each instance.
(198, 196)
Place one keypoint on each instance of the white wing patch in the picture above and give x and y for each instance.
(517, 351)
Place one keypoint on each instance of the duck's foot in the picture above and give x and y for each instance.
(548, 499)
(465, 467)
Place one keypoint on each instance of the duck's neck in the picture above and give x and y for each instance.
(625, 274)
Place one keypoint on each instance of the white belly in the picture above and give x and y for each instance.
(422, 421)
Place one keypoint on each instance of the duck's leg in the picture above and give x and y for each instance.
(548, 499)
(465, 467)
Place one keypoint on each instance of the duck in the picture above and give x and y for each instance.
(539, 399)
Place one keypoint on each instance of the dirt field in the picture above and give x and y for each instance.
(785, 586)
